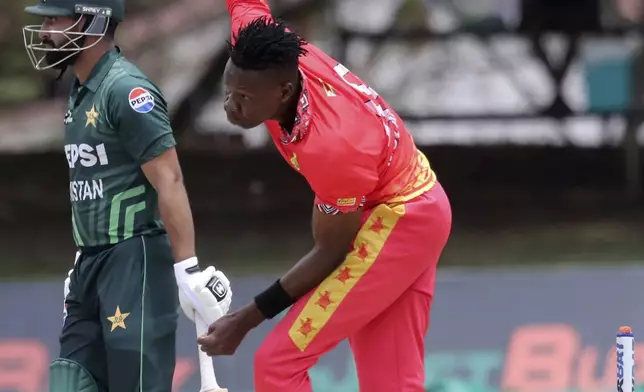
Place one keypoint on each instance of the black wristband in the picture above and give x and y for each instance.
(273, 300)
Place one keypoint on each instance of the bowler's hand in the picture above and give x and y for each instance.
(226, 334)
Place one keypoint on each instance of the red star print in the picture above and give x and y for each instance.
(377, 225)
(363, 253)
(325, 300)
(307, 326)
(344, 275)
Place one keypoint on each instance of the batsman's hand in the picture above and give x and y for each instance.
(207, 292)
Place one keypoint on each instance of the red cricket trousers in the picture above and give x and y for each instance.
(379, 299)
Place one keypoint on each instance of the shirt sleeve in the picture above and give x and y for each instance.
(139, 114)
(242, 12)
(344, 188)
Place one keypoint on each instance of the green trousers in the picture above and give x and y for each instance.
(122, 313)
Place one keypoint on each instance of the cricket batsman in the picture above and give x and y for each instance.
(380, 218)
(131, 218)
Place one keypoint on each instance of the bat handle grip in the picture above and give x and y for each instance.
(206, 368)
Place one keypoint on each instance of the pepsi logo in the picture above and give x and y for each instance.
(141, 100)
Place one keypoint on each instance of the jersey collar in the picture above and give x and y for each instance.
(302, 115)
(101, 69)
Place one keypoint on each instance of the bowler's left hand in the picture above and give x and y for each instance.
(226, 334)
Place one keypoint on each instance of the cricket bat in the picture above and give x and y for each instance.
(206, 368)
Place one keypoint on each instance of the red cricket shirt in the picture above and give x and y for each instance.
(347, 142)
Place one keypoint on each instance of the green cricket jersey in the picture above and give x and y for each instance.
(117, 120)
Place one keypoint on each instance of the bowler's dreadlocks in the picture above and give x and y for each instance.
(266, 44)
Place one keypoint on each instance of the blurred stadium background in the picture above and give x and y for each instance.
(530, 111)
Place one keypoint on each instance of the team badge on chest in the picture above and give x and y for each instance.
(92, 117)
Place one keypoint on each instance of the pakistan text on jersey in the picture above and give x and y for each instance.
(86, 155)
(85, 190)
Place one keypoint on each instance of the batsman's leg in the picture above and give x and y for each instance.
(393, 249)
(139, 310)
(81, 365)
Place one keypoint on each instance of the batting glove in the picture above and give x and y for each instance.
(207, 292)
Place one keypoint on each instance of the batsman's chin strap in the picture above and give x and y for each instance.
(62, 72)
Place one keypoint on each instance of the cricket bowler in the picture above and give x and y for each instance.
(131, 218)
(380, 218)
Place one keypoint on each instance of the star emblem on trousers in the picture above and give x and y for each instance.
(325, 300)
(118, 320)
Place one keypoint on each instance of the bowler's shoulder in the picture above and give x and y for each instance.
(343, 144)
(336, 155)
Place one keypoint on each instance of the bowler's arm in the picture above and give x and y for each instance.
(242, 12)
(337, 218)
(333, 235)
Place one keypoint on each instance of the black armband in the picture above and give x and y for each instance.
(273, 300)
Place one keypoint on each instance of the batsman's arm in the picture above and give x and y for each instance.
(146, 133)
(164, 173)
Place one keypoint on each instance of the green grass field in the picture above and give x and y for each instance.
(546, 238)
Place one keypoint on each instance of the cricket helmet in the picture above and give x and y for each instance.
(98, 14)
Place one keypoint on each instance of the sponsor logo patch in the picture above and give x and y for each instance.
(141, 100)
(346, 202)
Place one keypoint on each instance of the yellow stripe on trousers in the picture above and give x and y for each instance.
(331, 292)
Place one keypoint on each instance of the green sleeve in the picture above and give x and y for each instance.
(139, 114)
